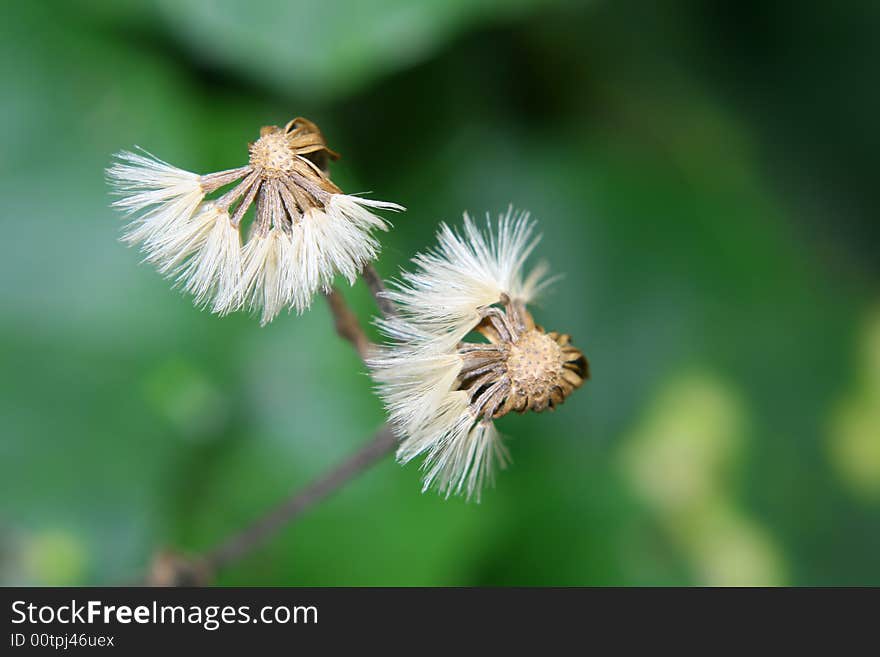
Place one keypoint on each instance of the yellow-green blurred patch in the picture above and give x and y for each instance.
(679, 460)
(54, 557)
(682, 450)
(854, 437)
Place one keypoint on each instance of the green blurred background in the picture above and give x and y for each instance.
(705, 176)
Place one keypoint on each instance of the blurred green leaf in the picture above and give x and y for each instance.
(312, 48)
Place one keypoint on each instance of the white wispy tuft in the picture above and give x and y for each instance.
(466, 272)
(268, 274)
(438, 304)
(335, 239)
(287, 267)
(464, 462)
(170, 251)
(157, 196)
(350, 223)
(213, 273)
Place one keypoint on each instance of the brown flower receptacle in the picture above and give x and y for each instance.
(299, 147)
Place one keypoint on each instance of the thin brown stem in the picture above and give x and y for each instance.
(256, 534)
(173, 569)
(346, 322)
(377, 287)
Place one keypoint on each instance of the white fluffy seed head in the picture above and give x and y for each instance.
(417, 373)
(308, 231)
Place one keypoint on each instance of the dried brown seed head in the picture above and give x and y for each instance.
(534, 362)
(521, 368)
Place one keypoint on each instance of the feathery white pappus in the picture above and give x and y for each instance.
(305, 230)
(442, 388)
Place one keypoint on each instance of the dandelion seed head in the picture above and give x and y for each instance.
(464, 350)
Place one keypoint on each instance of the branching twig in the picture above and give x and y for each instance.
(244, 542)
(347, 324)
(171, 569)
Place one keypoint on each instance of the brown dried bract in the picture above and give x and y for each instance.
(296, 147)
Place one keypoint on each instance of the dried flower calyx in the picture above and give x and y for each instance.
(305, 229)
(522, 368)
